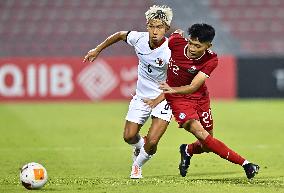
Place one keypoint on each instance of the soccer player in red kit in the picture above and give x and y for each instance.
(190, 65)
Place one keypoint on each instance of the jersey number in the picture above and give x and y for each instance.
(167, 106)
(149, 69)
(207, 118)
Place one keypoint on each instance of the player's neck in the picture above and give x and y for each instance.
(153, 46)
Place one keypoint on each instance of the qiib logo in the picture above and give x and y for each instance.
(35, 80)
(97, 80)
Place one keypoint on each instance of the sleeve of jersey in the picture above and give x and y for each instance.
(172, 39)
(132, 37)
(210, 66)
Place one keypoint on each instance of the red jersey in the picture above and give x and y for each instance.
(182, 69)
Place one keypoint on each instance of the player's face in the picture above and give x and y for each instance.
(196, 48)
(157, 30)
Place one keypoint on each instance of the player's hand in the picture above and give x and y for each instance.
(150, 102)
(166, 88)
(179, 31)
(91, 55)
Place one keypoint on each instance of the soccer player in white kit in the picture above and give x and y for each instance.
(153, 53)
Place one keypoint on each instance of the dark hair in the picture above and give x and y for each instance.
(202, 31)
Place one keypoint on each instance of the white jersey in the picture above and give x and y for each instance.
(152, 65)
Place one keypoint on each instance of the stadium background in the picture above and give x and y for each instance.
(68, 115)
(43, 43)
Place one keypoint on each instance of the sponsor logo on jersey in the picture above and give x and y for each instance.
(159, 61)
(192, 70)
(182, 115)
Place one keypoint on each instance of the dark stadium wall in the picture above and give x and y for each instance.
(260, 77)
(108, 78)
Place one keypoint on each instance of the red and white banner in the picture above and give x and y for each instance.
(113, 78)
(67, 79)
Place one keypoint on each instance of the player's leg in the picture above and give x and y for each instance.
(156, 131)
(216, 146)
(187, 150)
(131, 132)
(197, 147)
(137, 115)
(219, 148)
(206, 120)
(161, 116)
(182, 111)
(132, 137)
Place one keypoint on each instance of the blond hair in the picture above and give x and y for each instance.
(163, 13)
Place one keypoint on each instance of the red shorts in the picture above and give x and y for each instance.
(186, 109)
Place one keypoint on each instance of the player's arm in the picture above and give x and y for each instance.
(179, 31)
(154, 102)
(93, 53)
(195, 84)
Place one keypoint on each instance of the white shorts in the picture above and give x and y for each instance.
(139, 112)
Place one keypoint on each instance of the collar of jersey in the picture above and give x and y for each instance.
(162, 42)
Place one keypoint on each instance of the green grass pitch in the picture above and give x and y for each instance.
(82, 148)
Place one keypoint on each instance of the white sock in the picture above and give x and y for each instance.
(142, 158)
(186, 150)
(245, 162)
(139, 144)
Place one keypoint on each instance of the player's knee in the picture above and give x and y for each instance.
(152, 142)
(129, 138)
(151, 145)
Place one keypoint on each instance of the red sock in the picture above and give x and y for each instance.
(194, 148)
(222, 150)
